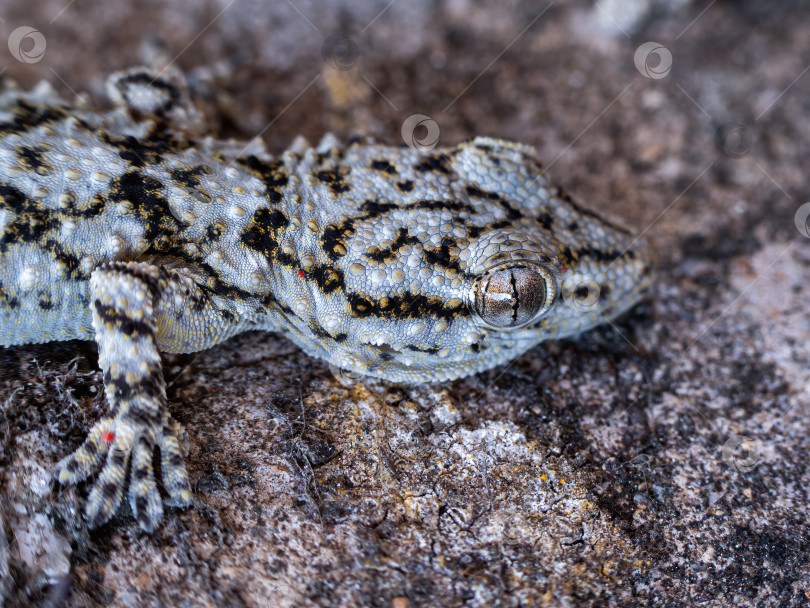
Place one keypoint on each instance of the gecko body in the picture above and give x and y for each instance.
(135, 229)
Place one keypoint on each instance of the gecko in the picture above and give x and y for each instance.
(137, 229)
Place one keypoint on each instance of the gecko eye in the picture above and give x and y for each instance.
(514, 295)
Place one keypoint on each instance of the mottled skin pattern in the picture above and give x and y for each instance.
(134, 229)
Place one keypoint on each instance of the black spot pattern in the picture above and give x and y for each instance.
(262, 233)
(273, 175)
(335, 180)
(405, 306)
(146, 195)
(33, 159)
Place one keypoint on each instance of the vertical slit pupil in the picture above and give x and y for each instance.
(511, 297)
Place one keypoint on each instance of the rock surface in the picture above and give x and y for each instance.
(660, 460)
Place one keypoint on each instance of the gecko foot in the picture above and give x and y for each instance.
(129, 446)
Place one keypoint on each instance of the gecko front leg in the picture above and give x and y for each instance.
(126, 301)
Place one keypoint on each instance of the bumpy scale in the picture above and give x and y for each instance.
(136, 230)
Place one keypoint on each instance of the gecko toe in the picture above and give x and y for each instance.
(175, 476)
(144, 498)
(85, 460)
(106, 494)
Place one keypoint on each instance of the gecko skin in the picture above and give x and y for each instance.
(134, 229)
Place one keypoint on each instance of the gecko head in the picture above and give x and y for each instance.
(474, 278)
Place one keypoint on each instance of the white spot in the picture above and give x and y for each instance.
(87, 264)
(300, 306)
(114, 244)
(256, 280)
(416, 328)
(378, 276)
(381, 337)
(349, 360)
(331, 321)
(68, 228)
(28, 277)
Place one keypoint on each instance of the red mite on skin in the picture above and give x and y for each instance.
(387, 292)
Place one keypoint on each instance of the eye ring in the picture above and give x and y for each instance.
(514, 294)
